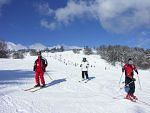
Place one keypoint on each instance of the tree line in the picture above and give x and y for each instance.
(111, 53)
(19, 54)
(117, 53)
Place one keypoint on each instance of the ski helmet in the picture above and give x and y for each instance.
(84, 59)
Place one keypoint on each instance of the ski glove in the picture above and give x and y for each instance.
(34, 68)
(136, 72)
(122, 70)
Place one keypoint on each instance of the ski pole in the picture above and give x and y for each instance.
(139, 82)
(48, 75)
(126, 85)
(120, 78)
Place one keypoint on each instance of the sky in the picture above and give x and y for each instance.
(76, 22)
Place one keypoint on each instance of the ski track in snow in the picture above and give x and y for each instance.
(65, 94)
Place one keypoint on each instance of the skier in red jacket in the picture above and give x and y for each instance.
(39, 67)
(129, 69)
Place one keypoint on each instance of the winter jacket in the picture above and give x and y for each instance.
(129, 70)
(84, 65)
(40, 66)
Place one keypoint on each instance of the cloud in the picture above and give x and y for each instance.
(66, 15)
(124, 16)
(44, 9)
(72, 11)
(118, 16)
(2, 3)
(49, 25)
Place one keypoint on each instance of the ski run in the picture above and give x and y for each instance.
(63, 92)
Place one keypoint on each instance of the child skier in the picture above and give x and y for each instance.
(84, 65)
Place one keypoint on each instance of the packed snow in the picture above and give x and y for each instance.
(64, 93)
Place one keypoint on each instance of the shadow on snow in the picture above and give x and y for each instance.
(14, 76)
(58, 81)
(90, 78)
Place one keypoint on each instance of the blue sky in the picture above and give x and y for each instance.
(76, 22)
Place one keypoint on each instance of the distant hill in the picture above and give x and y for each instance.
(12, 46)
(37, 46)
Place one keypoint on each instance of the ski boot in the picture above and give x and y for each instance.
(37, 85)
(128, 96)
(134, 97)
(42, 86)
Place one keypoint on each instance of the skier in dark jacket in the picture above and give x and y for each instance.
(39, 68)
(129, 69)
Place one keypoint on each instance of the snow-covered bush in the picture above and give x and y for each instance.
(87, 51)
(53, 50)
(18, 55)
(3, 50)
(76, 51)
(118, 53)
(33, 52)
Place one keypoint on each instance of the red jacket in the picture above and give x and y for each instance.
(40, 64)
(129, 70)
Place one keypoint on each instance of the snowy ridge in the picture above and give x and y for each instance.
(38, 46)
(66, 47)
(12, 46)
(56, 46)
(64, 93)
(72, 47)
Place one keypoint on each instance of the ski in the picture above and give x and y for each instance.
(39, 88)
(81, 80)
(142, 102)
(36, 89)
(86, 81)
(29, 89)
(134, 100)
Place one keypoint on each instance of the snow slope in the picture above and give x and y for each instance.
(64, 93)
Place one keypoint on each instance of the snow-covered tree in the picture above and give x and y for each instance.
(121, 54)
(18, 55)
(3, 50)
(87, 51)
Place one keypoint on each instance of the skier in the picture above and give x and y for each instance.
(129, 69)
(39, 67)
(84, 65)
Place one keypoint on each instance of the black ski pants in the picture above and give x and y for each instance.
(85, 73)
(129, 82)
